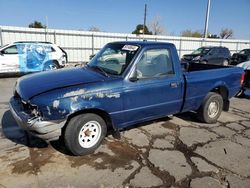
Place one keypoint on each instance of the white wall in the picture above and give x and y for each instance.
(81, 44)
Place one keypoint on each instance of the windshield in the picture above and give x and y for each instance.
(113, 58)
(1, 47)
(246, 52)
(201, 51)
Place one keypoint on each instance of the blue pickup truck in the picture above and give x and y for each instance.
(124, 84)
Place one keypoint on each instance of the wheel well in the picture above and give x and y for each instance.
(54, 61)
(106, 117)
(223, 91)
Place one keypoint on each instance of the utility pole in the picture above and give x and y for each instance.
(46, 28)
(145, 17)
(207, 19)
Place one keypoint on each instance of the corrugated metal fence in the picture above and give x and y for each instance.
(81, 44)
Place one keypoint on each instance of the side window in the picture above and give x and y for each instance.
(49, 49)
(155, 63)
(215, 51)
(225, 52)
(10, 50)
(248, 52)
(222, 51)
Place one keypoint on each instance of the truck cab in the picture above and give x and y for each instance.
(124, 84)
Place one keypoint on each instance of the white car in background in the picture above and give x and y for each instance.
(26, 56)
(245, 65)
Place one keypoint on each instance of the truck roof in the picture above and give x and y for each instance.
(142, 43)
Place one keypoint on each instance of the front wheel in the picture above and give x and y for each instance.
(210, 108)
(84, 133)
(51, 65)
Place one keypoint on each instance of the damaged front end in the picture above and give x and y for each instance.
(30, 118)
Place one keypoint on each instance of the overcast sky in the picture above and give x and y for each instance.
(122, 16)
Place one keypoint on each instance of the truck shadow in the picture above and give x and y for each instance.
(11, 131)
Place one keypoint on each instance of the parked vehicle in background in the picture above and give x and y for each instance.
(242, 56)
(125, 83)
(216, 55)
(246, 79)
(25, 57)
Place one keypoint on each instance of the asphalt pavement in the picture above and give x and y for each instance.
(168, 152)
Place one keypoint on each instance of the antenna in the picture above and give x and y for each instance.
(46, 28)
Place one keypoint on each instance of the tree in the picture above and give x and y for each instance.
(156, 26)
(139, 30)
(94, 29)
(189, 33)
(36, 24)
(226, 33)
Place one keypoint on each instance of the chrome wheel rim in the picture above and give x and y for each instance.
(213, 109)
(89, 134)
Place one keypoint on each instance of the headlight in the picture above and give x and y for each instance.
(196, 58)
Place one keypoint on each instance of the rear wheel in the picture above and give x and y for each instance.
(225, 62)
(241, 93)
(210, 108)
(203, 62)
(84, 133)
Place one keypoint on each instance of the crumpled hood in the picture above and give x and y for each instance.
(35, 84)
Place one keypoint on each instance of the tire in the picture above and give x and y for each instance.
(241, 94)
(51, 65)
(210, 109)
(84, 133)
(225, 62)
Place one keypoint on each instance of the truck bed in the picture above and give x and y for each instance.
(190, 67)
(201, 79)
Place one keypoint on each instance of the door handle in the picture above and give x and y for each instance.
(173, 85)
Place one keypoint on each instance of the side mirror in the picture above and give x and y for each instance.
(210, 53)
(133, 77)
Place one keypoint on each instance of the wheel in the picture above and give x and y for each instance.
(203, 62)
(84, 133)
(210, 108)
(241, 93)
(225, 62)
(51, 65)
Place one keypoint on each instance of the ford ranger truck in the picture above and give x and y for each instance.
(124, 84)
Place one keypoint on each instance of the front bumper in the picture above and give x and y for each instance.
(46, 130)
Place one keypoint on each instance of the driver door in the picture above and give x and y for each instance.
(157, 90)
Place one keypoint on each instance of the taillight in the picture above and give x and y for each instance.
(242, 78)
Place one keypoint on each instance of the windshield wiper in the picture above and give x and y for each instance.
(100, 69)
